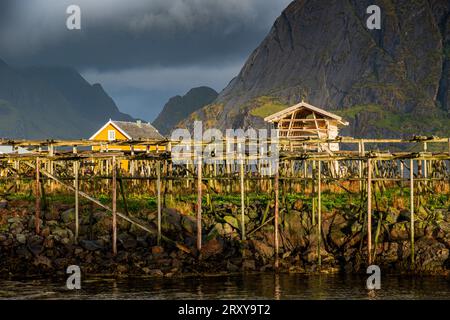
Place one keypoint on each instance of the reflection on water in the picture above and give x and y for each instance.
(255, 286)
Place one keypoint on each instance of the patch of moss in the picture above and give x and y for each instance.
(266, 105)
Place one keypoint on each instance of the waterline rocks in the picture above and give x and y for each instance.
(342, 242)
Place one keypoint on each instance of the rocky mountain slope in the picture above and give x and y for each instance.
(179, 107)
(389, 82)
(51, 102)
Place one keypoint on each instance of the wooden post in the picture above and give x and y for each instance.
(38, 199)
(276, 186)
(319, 212)
(169, 149)
(76, 186)
(158, 187)
(242, 200)
(411, 186)
(199, 203)
(114, 209)
(313, 191)
(402, 173)
(425, 168)
(369, 210)
(360, 165)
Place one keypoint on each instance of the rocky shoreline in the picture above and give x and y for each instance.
(343, 249)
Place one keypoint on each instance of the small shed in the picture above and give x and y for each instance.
(125, 130)
(304, 121)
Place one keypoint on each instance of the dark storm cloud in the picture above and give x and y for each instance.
(141, 51)
(124, 34)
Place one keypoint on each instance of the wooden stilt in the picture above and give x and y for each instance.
(276, 189)
(369, 210)
(313, 192)
(114, 208)
(319, 213)
(242, 200)
(411, 186)
(38, 199)
(199, 204)
(76, 186)
(158, 187)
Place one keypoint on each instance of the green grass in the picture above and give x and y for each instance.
(266, 106)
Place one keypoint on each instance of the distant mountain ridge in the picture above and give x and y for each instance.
(179, 107)
(52, 102)
(393, 82)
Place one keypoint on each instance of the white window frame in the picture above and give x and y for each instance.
(111, 135)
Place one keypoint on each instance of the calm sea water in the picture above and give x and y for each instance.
(257, 286)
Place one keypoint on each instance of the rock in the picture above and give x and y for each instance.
(171, 220)
(127, 241)
(211, 248)
(121, 269)
(22, 252)
(390, 252)
(265, 251)
(231, 267)
(60, 232)
(66, 241)
(404, 215)
(51, 215)
(14, 220)
(156, 250)
(42, 260)
(232, 221)
(49, 242)
(227, 229)
(156, 273)
(3, 204)
(431, 255)
(45, 232)
(268, 267)
(68, 215)
(21, 238)
(91, 245)
(103, 226)
(189, 224)
(249, 265)
(35, 244)
(399, 232)
(296, 229)
(176, 263)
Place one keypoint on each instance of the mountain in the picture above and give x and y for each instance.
(387, 83)
(52, 102)
(178, 108)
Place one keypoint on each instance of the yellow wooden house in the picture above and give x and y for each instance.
(115, 131)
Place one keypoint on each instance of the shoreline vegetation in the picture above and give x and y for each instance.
(343, 246)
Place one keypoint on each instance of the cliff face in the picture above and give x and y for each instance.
(179, 107)
(388, 82)
(52, 102)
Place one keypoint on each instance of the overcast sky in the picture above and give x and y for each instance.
(141, 51)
